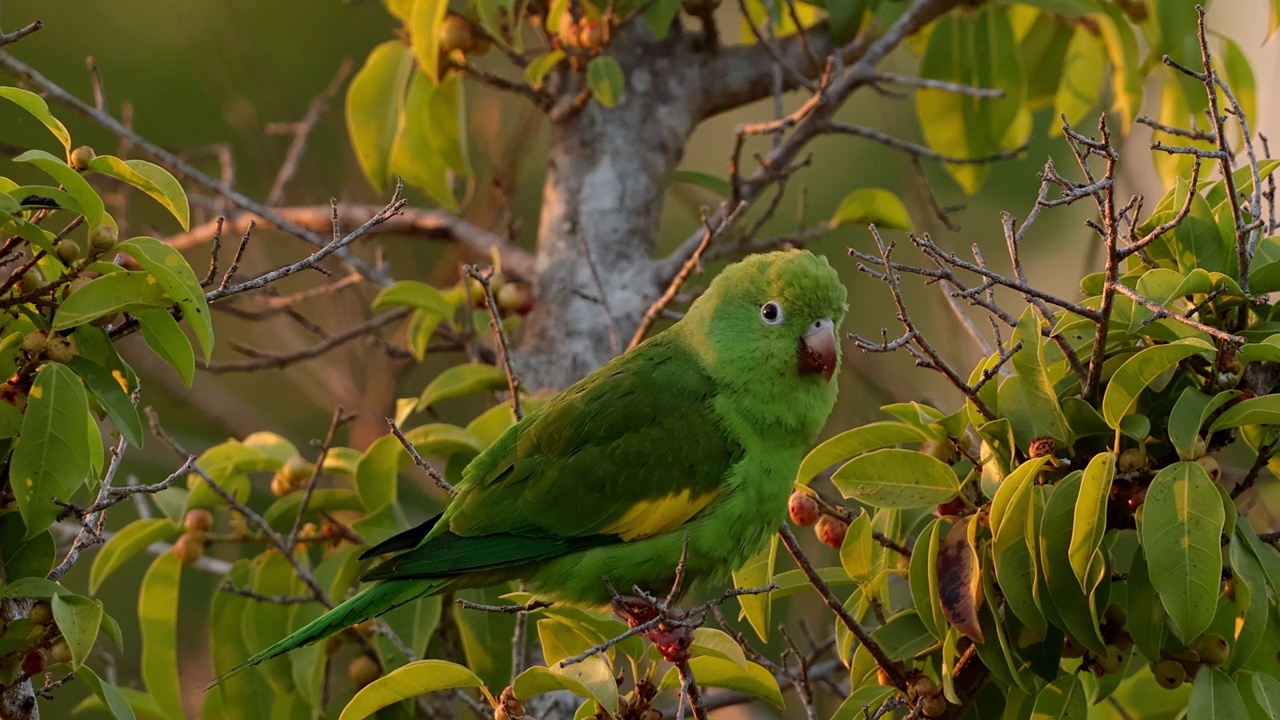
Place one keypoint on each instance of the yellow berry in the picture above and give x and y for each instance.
(41, 613)
(67, 250)
(81, 157)
(455, 34)
(60, 651)
(363, 670)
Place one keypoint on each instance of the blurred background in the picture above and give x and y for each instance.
(209, 80)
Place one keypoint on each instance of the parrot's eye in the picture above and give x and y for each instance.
(771, 313)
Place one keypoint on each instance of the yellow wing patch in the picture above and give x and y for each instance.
(652, 517)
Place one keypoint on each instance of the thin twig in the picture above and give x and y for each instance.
(419, 461)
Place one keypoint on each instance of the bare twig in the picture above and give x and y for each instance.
(302, 130)
(431, 472)
(500, 334)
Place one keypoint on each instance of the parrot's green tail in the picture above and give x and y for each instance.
(368, 604)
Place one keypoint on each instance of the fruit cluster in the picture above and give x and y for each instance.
(512, 296)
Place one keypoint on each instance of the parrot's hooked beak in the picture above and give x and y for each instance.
(817, 350)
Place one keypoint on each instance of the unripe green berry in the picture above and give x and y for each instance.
(67, 250)
(81, 157)
(103, 239)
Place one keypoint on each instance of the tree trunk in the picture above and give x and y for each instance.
(17, 701)
(602, 207)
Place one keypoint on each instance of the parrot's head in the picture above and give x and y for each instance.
(776, 314)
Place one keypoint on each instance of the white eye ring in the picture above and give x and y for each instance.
(771, 313)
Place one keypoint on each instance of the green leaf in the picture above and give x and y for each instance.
(51, 458)
(36, 105)
(706, 181)
(24, 557)
(462, 380)
(447, 115)
(1063, 699)
(127, 542)
(71, 181)
(980, 50)
(111, 396)
(1043, 413)
(536, 71)
(151, 179)
(855, 553)
(166, 339)
(758, 572)
(849, 443)
(904, 636)
(1181, 530)
(78, 620)
(1064, 602)
(377, 469)
(863, 702)
(1139, 371)
(660, 15)
(1084, 68)
(158, 617)
(717, 643)
(1197, 242)
(718, 672)
(1215, 697)
(424, 26)
(1014, 544)
(1091, 515)
(109, 694)
(1238, 74)
(323, 500)
(872, 206)
(1251, 600)
(416, 678)
(33, 587)
(178, 280)
(897, 478)
(108, 295)
(1189, 413)
(1263, 410)
(604, 77)
(416, 153)
(539, 680)
(1267, 691)
(413, 294)
(373, 107)
(1146, 622)
(922, 574)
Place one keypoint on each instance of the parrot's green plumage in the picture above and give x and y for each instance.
(697, 431)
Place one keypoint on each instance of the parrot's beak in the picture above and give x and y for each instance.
(817, 350)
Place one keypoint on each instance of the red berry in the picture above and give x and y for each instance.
(803, 508)
(831, 531)
(955, 506)
(33, 663)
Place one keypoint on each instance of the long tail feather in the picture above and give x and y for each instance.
(368, 604)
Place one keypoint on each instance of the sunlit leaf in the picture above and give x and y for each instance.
(36, 105)
(1091, 514)
(462, 380)
(1084, 69)
(373, 107)
(113, 399)
(78, 620)
(414, 294)
(178, 280)
(872, 206)
(51, 458)
(758, 572)
(151, 179)
(163, 335)
(536, 71)
(127, 542)
(897, 478)
(158, 617)
(1139, 371)
(1181, 531)
(856, 441)
(71, 181)
(411, 680)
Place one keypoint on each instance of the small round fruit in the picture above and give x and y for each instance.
(103, 239)
(480, 45)
(1131, 460)
(76, 284)
(32, 280)
(281, 486)
(803, 508)
(60, 350)
(942, 450)
(934, 706)
(363, 670)
(33, 663)
(198, 520)
(1115, 615)
(82, 156)
(954, 506)
(1169, 673)
(298, 470)
(883, 678)
(1229, 588)
(67, 250)
(1213, 649)
(831, 531)
(1043, 447)
(35, 342)
(1197, 447)
(592, 35)
(567, 31)
(60, 651)
(515, 297)
(1071, 649)
(1210, 466)
(924, 685)
(1112, 661)
(455, 34)
(41, 613)
(189, 548)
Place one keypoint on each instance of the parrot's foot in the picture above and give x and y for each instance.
(669, 628)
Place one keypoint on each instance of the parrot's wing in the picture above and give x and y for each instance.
(634, 450)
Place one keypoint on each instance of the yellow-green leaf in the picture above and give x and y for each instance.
(166, 339)
(151, 179)
(36, 105)
(866, 206)
(416, 678)
(1181, 530)
(51, 458)
(416, 154)
(127, 542)
(414, 294)
(1090, 521)
(424, 26)
(897, 478)
(462, 380)
(374, 102)
(536, 71)
(71, 181)
(721, 673)
(604, 77)
(78, 619)
(178, 280)
(1139, 371)
(756, 573)
(1083, 71)
(158, 617)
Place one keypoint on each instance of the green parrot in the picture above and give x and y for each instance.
(697, 432)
